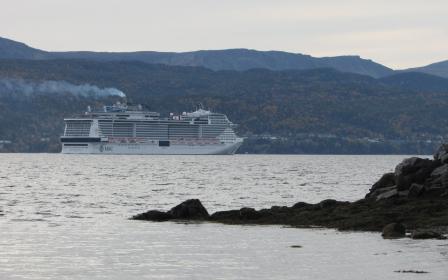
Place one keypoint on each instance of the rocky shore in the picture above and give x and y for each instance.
(413, 199)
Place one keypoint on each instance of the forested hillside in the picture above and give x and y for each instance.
(308, 111)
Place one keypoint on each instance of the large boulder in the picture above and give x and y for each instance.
(394, 230)
(410, 165)
(413, 170)
(387, 180)
(191, 209)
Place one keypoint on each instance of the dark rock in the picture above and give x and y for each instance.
(411, 271)
(275, 211)
(399, 200)
(444, 180)
(440, 171)
(383, 190)
(426, 234)
(433, 182)
(299, 205)
(377, 192)
(191, 209)
(403, 193)
(153, 215)
(387, 180)
(249, 214)
(328, 203)
(279, 208)
(434, 191)
(442, 154)
(423, 173)
(416, 190)
(413, 170)
(436, 186)
(394, 230)
(388, 194)
(404, 182)
(230, 215)
(411, 165)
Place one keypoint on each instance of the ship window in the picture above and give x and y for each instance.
(164, 143)
(76, 145)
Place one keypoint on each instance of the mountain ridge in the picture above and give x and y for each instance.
(437, 69)
(11, 49)
(230, 59)
(238, 59)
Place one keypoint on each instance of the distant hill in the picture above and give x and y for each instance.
(232, 59)
(241, 60)
(291, 111)
(438, 69)
(10, 49)
(417, 82)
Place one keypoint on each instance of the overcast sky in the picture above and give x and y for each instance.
(397, 33)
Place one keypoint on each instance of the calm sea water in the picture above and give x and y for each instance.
(66, 217)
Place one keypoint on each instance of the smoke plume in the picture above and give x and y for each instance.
(28, 88)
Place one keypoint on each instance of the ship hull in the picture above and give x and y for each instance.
(149, 149)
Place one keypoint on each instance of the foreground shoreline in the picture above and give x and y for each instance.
(425, 215)
(414, 198)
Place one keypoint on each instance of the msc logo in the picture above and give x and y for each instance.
(104, 148)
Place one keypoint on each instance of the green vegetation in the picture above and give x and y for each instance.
(308, 111)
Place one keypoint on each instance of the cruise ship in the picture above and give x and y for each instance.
(123, 129)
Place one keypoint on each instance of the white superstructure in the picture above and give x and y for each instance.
(122, 129)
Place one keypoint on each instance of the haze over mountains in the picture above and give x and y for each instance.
(231, 59)
(284, 103)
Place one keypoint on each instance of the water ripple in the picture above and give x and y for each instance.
(66, 217)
